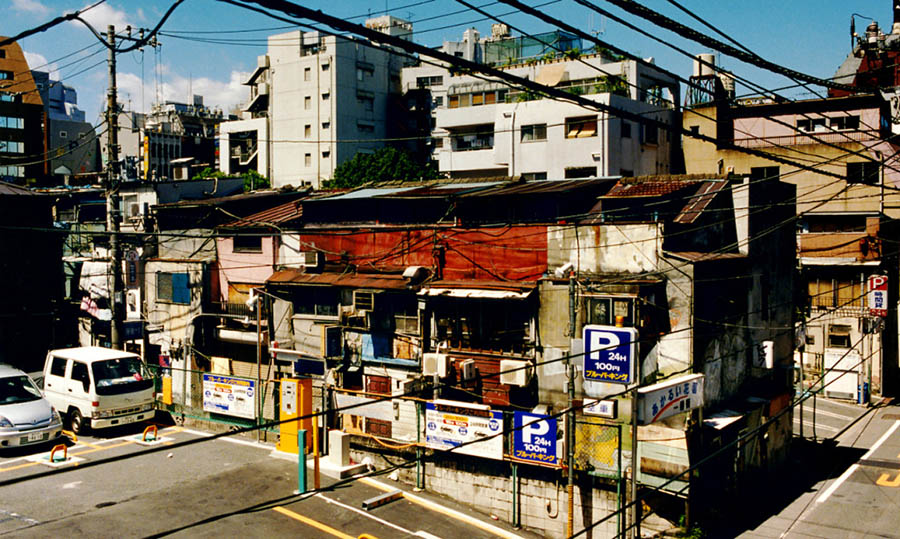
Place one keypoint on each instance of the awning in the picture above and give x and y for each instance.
(475, 289)
(551, 75)
(377, 281)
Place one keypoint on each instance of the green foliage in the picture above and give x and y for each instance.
(386, 164)
(253, 180)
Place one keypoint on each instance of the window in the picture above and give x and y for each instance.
(365, 127)
(326, 125)
(695, 129)
(6, 75)
(480, 137)
(7, 98)
(581, 127)
(326, 154)
(63, 134)
(246, 243)
(838, 336)
(427, 82)
(326, 67)
(829, 293)
(58, 366)
(306, 73)
(326, 96)
(80, 374)
(360, 75)
(11, 146)
(765, 173)
(650, 134)
(534, 132)
(2, 53)
(529, 176)
(811, 124)
(438, 101)
(173, 288)
(453, 101)
(581, 172)
(477, 99)
(867, 172)
(626, 129)
(319, 301)
(307, 160)
(307, 102)
(844, 122)
(11, 122)
(604, 310)
(13, 171)
(307, 131)
(367, 102)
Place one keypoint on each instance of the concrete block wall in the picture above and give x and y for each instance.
(487, 486)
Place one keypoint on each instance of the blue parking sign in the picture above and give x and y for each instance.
(534, 438)
(609, 354)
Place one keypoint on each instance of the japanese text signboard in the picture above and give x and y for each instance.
(448, 426)
(877, 297)
(534, 438)
(609, 354)
(230, 396)
(659, 401)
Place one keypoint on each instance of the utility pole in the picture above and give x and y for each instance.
(112, 195)
(570, 415)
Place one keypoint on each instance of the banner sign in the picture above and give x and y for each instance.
(659, 401)
(448, 426)
(230, 396)
(534, 438)
(609, 354)
(877, 298)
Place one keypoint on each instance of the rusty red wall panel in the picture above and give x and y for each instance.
(513, 253)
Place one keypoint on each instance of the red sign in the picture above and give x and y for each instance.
(878, 295)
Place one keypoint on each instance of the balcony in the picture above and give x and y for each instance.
(831, 137)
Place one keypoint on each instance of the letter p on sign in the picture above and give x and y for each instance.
(533, 427)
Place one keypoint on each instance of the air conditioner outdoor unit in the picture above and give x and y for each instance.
(309, 258)
(434, 363)
(363, 300)
(467, 370)
(262, 88)
(514, 372)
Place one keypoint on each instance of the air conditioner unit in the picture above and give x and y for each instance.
(514, 372)
(308, 258)
(363, 300)
(133, 304)
(360, 318)
(404, 387)
(467, 370)
(262, 88)
(433, 363)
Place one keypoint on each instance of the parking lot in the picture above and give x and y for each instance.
(227, 486)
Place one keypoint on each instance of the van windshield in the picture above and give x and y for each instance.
(120, 375)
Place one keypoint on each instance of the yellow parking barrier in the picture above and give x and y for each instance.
(147, 430)
(65, 451)
(70, 435)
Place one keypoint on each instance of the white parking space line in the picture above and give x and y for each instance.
(231, 439)
(817, 426)
(825, 495)
(365, 514)
(809, 412)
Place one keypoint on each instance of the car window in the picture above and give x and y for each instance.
(58, 366)
(120, 375)
(80, 374)
(15, 389)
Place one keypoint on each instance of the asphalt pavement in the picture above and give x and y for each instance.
(225, 487)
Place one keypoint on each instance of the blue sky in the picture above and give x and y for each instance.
(811, 36)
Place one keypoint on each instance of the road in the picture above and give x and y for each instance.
(225, 487)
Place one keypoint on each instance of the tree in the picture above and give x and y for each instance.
(386, 164)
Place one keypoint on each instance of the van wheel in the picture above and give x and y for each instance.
(77, 421)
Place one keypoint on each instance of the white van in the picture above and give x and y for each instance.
(98, 387)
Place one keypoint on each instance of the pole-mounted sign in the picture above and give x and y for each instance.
(877, 297)
(609, 354)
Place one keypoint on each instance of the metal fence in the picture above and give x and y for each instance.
(598, 447)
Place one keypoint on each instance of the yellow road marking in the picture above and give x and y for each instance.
(499, 532)
(102, 448)
(18, 466)
(313, 523)
(884, 481)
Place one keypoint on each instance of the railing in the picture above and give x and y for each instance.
(832, 137)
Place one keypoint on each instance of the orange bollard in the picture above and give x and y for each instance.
(147, 430)
(65, 451)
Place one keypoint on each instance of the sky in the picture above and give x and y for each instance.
(811, 36)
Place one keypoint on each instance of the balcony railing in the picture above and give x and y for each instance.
(831, 137)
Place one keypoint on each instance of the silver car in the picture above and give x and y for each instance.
(25, 415)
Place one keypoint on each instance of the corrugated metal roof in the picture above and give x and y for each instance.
(540, 187)
(701, 199)
(377, 281)
(369, 192)
(696, 256)
(279, 214)
(513, 286)
(443, 190)
(649, 188)
(12, 189)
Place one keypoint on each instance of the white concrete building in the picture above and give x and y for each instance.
(315, 102)
(489, 129)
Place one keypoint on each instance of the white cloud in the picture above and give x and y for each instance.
(216, 93)
(30, 6)
(103, 15)
(38, 62)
